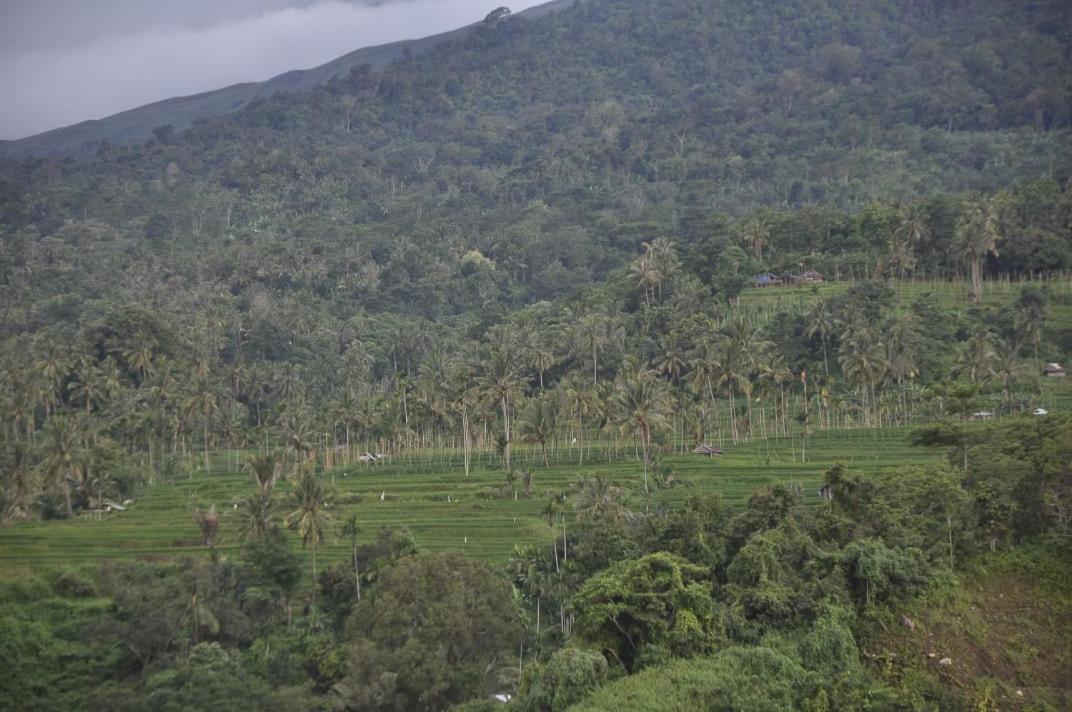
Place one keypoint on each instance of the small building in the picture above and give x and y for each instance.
(706, 450)
(982, 415)
(810, 277)
(767, 280)
(1054, 370)
(1041, 411)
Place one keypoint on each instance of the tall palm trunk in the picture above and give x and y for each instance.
(465, 437)
(733, 415)
(977, 279)
(645, 434)
(67, 494)
(506, 432)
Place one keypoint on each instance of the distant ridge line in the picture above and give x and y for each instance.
(137, 124)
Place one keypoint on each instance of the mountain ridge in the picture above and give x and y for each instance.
(137, 124)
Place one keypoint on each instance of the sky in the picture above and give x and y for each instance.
(65, 61)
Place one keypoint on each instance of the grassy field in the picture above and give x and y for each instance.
(481, 517)
(950, 293)
(764, 303)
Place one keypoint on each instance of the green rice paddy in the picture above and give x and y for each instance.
(431, 496)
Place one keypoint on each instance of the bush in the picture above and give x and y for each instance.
(564, 680)
(739, 679)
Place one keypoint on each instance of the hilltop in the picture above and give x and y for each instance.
(137, 124)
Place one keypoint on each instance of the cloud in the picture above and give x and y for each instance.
(51, 87)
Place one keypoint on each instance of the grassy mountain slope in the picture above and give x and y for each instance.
(180, 112)
(1006, 629)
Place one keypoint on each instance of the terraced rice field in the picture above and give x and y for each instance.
(950, 293)
(443, 509)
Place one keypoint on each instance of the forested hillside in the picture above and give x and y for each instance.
(675, 149)
(555, 147)
(571, 248)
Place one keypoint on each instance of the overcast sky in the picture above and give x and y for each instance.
(64, 61)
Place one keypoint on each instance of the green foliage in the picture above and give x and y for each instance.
(643, 611)
(877, 572)
(272, 573)
(437, 624)
(568, 676)
(209, 675)
(742, 679)
(776, 578)
(695, 531)
(29, 654)
(542, 233)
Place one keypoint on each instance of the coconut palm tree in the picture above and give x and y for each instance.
(663, 255)
(266, 469)
(976, 355)
(543, 359)
(255, 512)
(20, 484)
(351, 528)
(863, 361)
(537, 424)
(501, 382)
(298, 436)
(1007, 366)
(581, 403)
(703, 375)
(593, 335)
(598, 497)
(642, 403)
(208, 521)
(977, 233)
(774, 372)
(671, 358)
(902, 344)
(911, 230)
(756, 233)
(139, 357)
(203, 402)
(1031, 316)
(201, 618)
(646, 275)
(53, 364)
(744, 350)
(88, 388)
(463, 397)
(310, 517)
(62, 455)
(912, 223)
(821, 323)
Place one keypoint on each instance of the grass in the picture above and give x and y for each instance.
(1005, 625)
(443, 509)
(951, 294)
